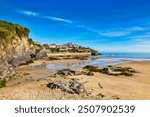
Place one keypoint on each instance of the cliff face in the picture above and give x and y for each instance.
(14, 43)
(13, 40)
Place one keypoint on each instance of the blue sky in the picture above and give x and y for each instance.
(105, 25)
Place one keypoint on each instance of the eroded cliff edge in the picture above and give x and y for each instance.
(15, 47)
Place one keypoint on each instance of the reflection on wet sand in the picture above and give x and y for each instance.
(57, 66)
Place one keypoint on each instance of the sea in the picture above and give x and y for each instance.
(126, 55)
(112, 58)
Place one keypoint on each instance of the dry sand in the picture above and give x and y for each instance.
(136, 87)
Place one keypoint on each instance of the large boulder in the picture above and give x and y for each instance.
(41, 54)
(22, 60)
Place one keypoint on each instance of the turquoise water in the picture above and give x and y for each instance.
(127, 55)
(116, 58)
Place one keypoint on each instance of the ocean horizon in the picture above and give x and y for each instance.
(114, 58)
(126, 55)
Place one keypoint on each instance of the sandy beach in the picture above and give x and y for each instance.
(136, 87)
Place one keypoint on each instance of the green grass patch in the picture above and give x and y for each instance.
(2, 83)
(8, 31)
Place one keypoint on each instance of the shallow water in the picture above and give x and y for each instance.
(98, 61)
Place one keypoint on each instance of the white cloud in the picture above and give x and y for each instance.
(58, 19)
(29, 13)
(114, 33)
(122, 31)
(136, 28)
(141, 37)
(87, 28)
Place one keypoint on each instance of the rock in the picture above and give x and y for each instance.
(104, 70)
(6, 70)
(67, 72)
(101, 95)
(90, 73)
(110, 70)
(20, 60)
(33, 55)
(83, 73)
(124, 69)
(41, 54)
(72, 86)
(91, 68)
(126, 73)
(76, 87)
(115, 97)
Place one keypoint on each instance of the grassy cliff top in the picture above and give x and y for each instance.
(7, 29)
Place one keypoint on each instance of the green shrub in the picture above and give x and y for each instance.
(8, 29)
(2, 83)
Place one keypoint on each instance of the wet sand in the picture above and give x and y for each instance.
(39, 70)
(136, 87)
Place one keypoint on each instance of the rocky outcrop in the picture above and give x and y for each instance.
(15, 47)
(110, 70)
(23, 60)
(73, 86)
(6, 70)
(67, 72)
(42, 54)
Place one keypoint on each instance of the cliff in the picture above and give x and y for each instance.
(14, 43)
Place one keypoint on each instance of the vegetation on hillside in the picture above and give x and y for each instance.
(66, 48)
(93, 52)
(9, 31)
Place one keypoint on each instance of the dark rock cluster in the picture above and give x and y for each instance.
(68, 72)
(110, 70)
(72, 87)
(7, 64)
